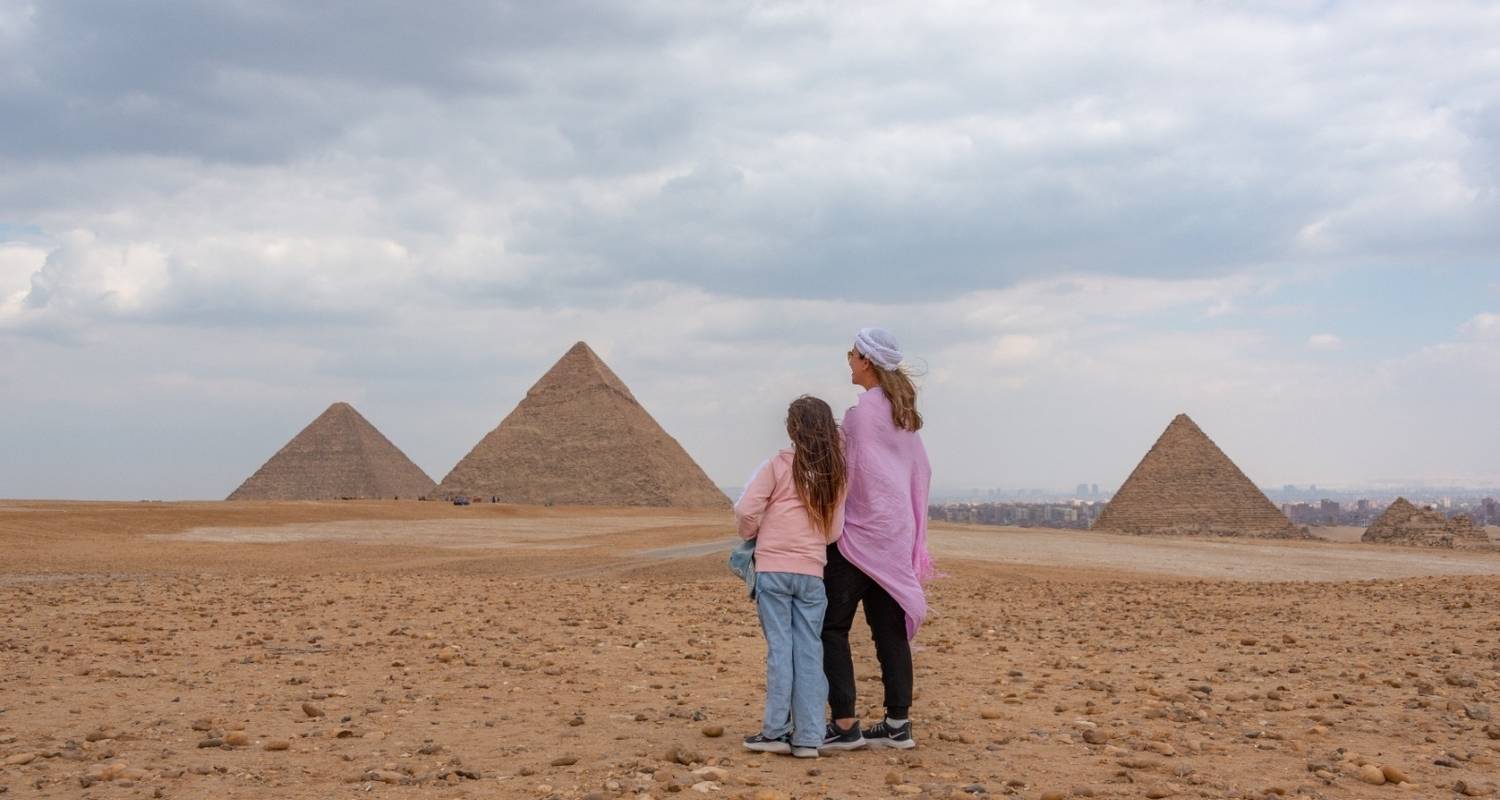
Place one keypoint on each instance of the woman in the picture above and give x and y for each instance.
(881, 559)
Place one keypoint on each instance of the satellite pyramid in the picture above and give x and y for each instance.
(1186, 484)
(1404, 523)
(339, 455)
(580, 438)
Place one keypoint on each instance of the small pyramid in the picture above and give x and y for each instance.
(1186, 484)
(579, 437)
(1404, 523)
(340, 455)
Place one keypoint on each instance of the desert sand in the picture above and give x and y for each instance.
(313, 650)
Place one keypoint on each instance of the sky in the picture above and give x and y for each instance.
(1079, 219)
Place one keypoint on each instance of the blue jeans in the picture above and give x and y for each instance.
(791, 610)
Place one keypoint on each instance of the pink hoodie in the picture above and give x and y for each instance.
(770, 512)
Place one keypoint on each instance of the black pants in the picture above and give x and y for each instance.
(846, 587)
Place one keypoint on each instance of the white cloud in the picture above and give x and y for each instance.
(1324, 341)
(1483, 326)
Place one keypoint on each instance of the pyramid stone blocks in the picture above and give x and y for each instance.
(1404, 523)
(340, 455)
(579, 437)
(1186, 485)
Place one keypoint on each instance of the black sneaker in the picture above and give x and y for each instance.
(835, 738)
(761, 744)
(883, 735)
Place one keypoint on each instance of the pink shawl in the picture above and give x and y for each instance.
(885, 517)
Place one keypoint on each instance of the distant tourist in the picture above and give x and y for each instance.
(881, 559)
(793, 508)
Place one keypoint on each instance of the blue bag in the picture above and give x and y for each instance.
(742, 563)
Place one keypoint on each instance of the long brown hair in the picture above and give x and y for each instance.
(818, 471)
(899, 389)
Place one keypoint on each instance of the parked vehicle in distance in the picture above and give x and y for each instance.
(460, 501)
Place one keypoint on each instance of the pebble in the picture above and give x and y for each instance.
(214, 742)
(564, 761)
(312, 710)
(991, 712)
(1371, 774)
(20, 759)
(236, 739)
(1095, 736)
(1156, 792)
(770, 794)
(1394, 775)
(278, 744)
(713, 731)
(1052, 796)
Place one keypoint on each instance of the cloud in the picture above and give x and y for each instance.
(1482, 326)
(1324, 341)
(240, 212)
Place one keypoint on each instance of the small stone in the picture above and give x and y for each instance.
(312, 710)
(213, 742)
(1394, 775)
(1095, 736)
(202, 724)
(713, 731)
(894, 779)
(716, 774)
(1371, 774)
(275, 745)
(770, 794)
(1054, 795)
(387, 776)
(1156, 792)
(236, 739)
(991, 712)
(564, 761)
(20, 759)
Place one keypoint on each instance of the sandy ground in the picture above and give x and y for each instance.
(418, 649)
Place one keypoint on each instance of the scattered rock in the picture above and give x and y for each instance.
(564, 761)
(275, 745)
(236, 739)
(1394, 775)
(20, 759)
(991, 712)
(312, 710)
(713, 731)
(1371, 774)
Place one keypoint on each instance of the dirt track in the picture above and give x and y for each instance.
(1092, 666)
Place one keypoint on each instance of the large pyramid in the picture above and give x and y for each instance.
(1186, 484)
(1404, 523)
(580, 438)
(339, 455)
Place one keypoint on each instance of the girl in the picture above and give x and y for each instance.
(794, 508)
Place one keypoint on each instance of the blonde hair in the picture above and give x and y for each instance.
(902, 392)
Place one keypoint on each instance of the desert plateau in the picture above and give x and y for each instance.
(324, 649)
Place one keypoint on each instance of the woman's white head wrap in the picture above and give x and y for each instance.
(878, 345)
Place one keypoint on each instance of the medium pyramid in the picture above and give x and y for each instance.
(340, 455)
(580, 438)
(1186, 484)
(1404, 523)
